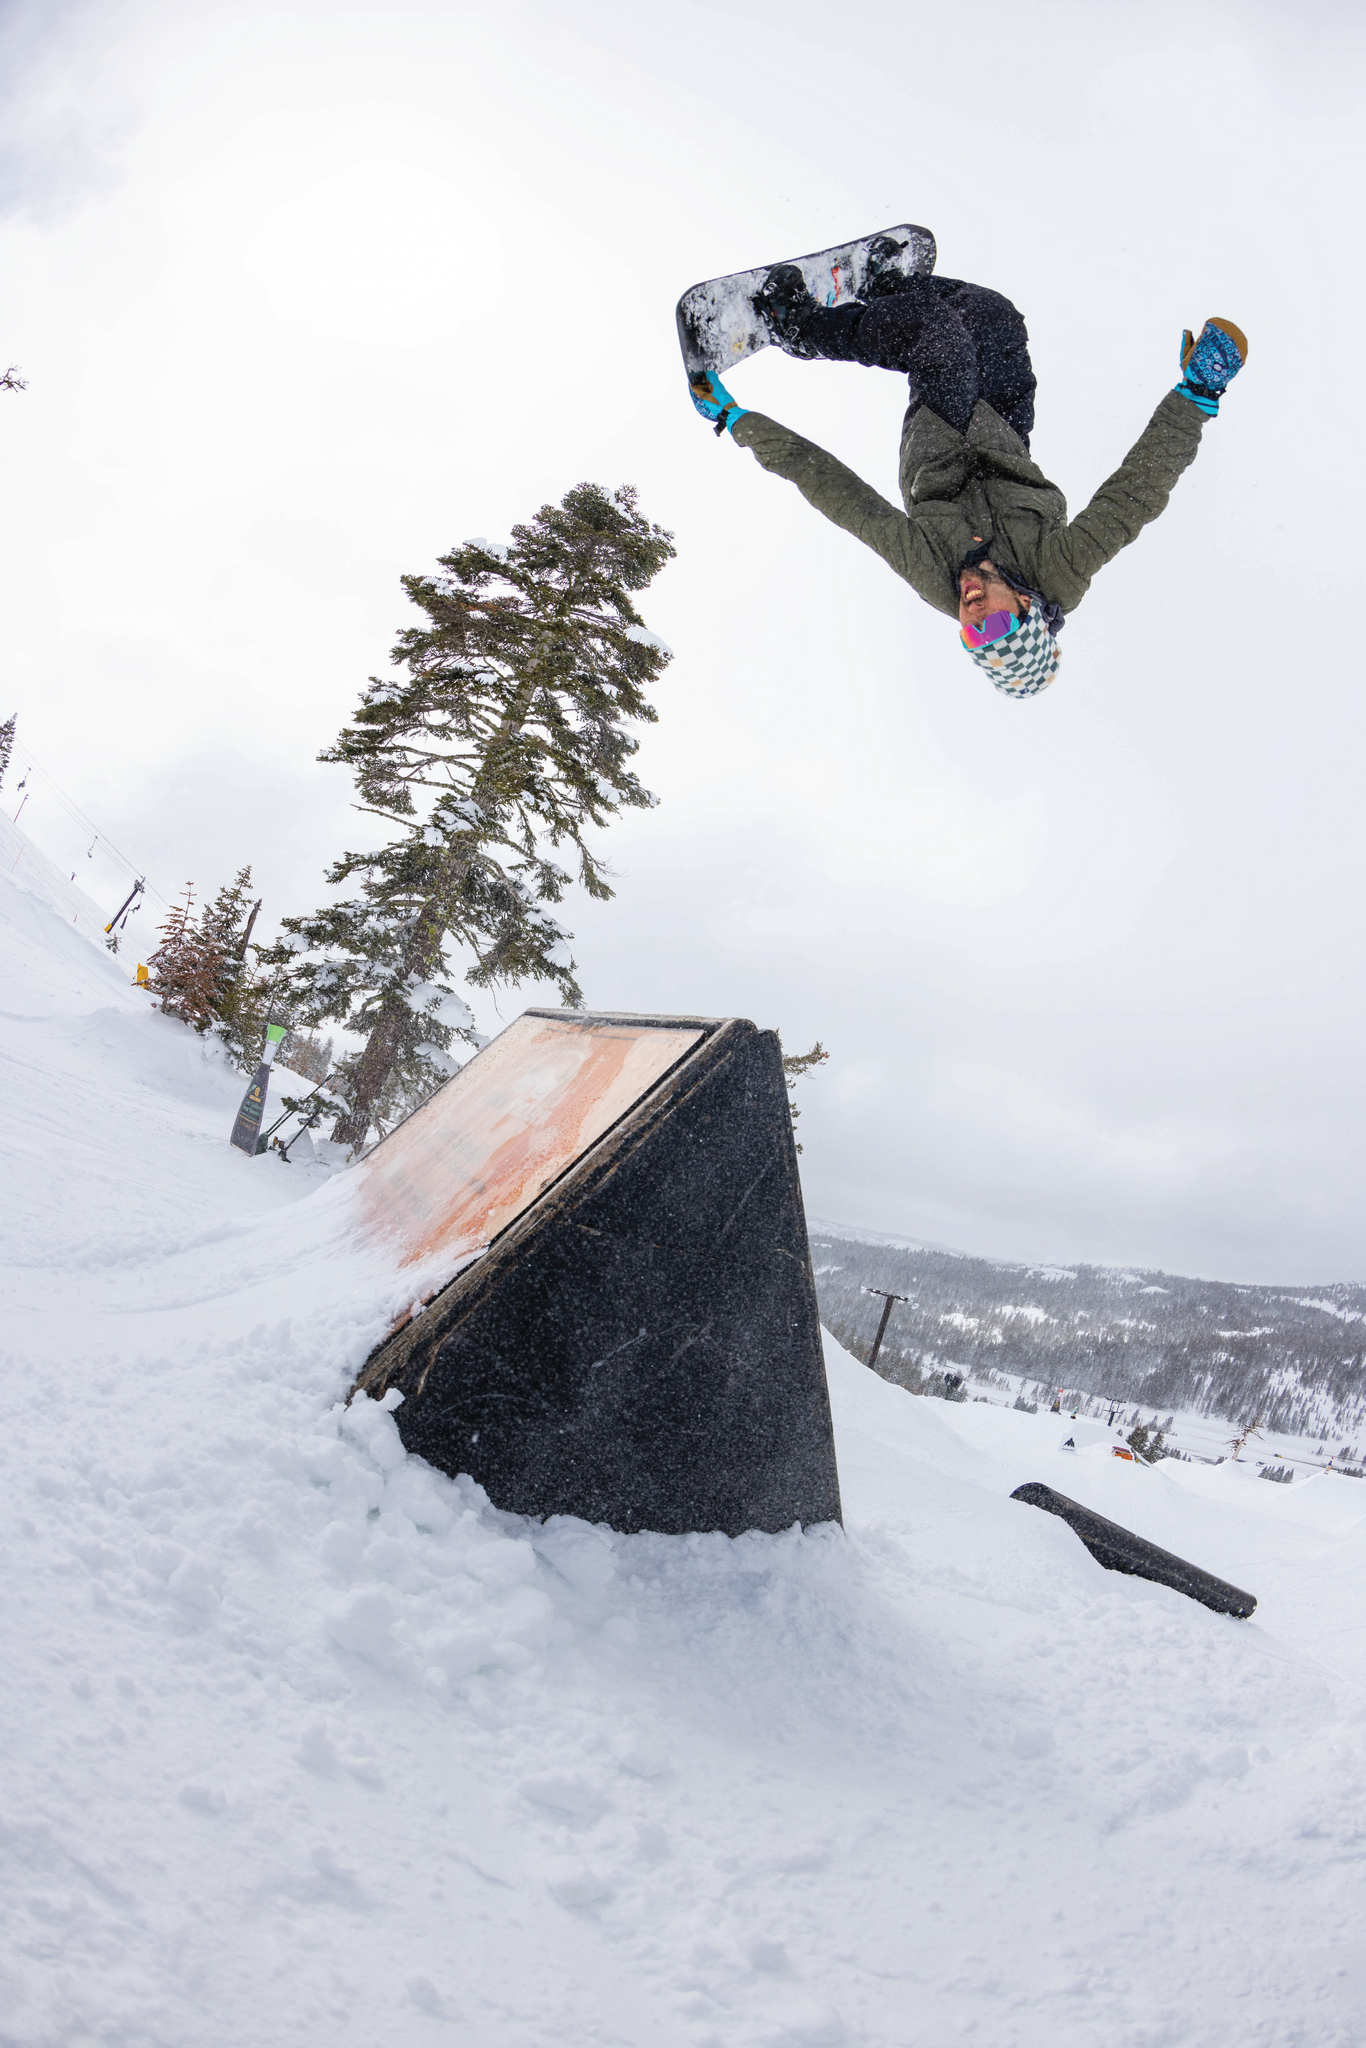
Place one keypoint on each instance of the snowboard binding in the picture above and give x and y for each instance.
(784, 301)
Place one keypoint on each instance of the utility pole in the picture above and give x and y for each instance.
(882, 1326)
(136, 890)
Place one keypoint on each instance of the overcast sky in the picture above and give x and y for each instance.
(305, 294)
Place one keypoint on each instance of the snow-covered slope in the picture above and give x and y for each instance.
(305, 1743)
(31, 873)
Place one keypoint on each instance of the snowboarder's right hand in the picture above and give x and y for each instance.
(1211, 363)
(713, 401)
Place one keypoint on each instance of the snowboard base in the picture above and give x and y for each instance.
(719, 325)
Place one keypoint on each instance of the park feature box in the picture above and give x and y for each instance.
(630, 1331)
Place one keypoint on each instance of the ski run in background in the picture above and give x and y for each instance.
(307, 1744)
(1204, 1360)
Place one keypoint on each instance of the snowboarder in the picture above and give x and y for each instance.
(985, 536)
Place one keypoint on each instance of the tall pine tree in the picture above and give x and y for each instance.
(504, 738)
(7, 741)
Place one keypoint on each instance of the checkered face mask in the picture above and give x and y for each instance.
(1020, 655)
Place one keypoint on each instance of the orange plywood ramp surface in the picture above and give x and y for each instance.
(508, 1124)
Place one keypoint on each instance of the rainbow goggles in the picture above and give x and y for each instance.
(995, 626)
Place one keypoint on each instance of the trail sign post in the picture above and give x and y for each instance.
(247, 1129)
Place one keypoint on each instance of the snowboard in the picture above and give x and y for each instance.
(718, 324)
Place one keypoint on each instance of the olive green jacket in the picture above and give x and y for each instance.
(981, 486)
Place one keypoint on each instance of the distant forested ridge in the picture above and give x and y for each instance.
(1292, 1357)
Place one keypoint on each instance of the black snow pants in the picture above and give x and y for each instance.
(956, 342)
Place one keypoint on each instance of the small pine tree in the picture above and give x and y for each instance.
(7, 742)
(201, 974)
(177, 971)
(505, 739)
(1137, 1441)
(795, 1064)
(1238, 1444)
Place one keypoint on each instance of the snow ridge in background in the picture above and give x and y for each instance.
(306, 1743)
(1204, 1351)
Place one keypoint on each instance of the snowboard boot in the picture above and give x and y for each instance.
(885, 277)
(784, 303)
(801, 327)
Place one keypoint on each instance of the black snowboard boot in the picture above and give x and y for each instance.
(884, 278)
(785, 303)
(799, 325)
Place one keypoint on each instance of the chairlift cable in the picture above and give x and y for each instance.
(51, 787)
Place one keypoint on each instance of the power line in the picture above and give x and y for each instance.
(51, 787)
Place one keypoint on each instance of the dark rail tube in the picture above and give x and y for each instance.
(1119, 1550)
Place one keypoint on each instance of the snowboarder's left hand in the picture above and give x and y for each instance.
(713, 401)
(1211, 363)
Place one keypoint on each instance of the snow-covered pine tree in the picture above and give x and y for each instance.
(504, 738)
(7, 742)
(241, 994)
